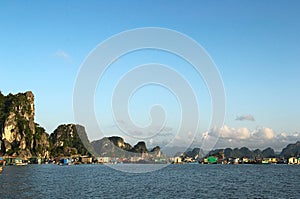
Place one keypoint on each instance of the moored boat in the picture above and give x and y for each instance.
(20, 162)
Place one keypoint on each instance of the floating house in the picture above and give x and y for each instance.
(236, 160)
(2, 161)
(65, 161)
(211, 160)
(160, 160)
(265, 161)
(176, 160)
(36, 160)
(86, 160)
(294, 160)
(269, 161)
(12, 160)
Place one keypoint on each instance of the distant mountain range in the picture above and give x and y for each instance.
(291, 150)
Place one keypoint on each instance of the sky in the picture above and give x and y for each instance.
(255, 46)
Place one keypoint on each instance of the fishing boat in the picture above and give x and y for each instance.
(20, 162)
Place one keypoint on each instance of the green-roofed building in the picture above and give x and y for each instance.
(212, 160)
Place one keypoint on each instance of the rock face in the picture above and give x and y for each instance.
(140, 147)
(41, 144)
(108, 147)
(17, 128)
(116, 147)
(291, 150)
(268, 153)
(65, 141)
(257, 153)
(195, 153)
(244, 152)
(119, 142)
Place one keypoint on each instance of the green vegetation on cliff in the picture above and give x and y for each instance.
(65, 141)
(21, 136)
(17, 128)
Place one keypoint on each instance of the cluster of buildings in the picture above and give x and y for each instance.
(18, 161)
(244, 160)
(220, 158)
(182, 160)
(74, 160)
(110, 160)
(11, 160)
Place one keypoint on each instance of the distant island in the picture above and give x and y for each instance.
(21, 138)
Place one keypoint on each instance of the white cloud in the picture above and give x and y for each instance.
(245, 118)
(62, 54)
(261, 137)
(243, 133)
(229, 133)
(263, 133)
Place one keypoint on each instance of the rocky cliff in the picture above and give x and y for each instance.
(66, 141)
(109, 147)
(116, 147)
(19, 135)
(140, 147)
(243, 152)
(119, 142)
(291, 150)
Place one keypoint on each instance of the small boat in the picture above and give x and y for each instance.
(1, 169)
(21, 164)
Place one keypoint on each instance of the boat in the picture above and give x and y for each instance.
(1, 169)
(20, 162)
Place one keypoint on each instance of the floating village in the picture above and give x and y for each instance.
(143, 159)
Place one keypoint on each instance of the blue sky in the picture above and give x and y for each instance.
(255, 45)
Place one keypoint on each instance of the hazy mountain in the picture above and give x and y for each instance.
(291, 150)
(116, 147)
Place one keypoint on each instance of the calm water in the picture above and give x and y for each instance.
(180, 181)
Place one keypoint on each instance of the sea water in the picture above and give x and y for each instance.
(173, 181)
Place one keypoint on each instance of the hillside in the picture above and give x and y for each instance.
(65, 141)
(291, 150)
